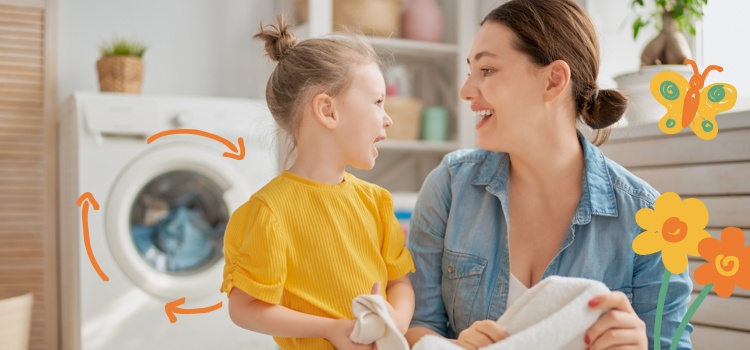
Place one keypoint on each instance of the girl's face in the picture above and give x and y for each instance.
(505, 90)
(362, 118)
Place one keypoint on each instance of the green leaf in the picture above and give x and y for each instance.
(636, 27)
(679, 9)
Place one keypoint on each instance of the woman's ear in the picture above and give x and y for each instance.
(558, 79)
(323, 110)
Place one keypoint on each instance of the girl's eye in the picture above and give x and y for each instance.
(379, 102)
(486, 71)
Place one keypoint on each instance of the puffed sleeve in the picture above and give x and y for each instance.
(255, 250)
(397, 258)
(426, 235)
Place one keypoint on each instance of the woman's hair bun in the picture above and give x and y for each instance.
(603, 108)
(279, 39)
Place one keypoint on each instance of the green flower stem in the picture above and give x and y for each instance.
(660, 309)
(685, 319)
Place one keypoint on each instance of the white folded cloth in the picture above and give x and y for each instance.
(554, 314)
(374, 324)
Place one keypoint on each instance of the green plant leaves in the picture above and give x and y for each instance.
(685, 12)
(123, 47)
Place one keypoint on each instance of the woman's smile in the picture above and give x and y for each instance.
(483, 115)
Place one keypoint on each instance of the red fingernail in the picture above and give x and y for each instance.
(594, 302)
(587, 340)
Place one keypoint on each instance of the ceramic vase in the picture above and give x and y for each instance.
(423, 20)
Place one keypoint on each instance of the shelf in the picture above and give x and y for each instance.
(418, 145)
(415, 48)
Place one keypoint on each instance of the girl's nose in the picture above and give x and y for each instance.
(387, 121)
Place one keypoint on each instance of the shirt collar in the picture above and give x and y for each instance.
(597, 195)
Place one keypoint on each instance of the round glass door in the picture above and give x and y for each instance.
(177, 222)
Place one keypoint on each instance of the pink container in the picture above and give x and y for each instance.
(422, 20)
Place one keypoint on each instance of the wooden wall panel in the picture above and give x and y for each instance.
(717, 173)
(28, 240)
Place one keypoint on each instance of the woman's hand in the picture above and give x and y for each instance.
(618, 328)
(481, 333)
(339, 333)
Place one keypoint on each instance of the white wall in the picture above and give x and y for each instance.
(724, 40)
(720, 41)
(196, 47)
(204, 47)
(612, 19)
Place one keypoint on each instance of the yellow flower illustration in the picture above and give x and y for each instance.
(674, 227)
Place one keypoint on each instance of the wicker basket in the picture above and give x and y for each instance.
(405, 113)
(120, 74)
(371, 17)
(15, 320)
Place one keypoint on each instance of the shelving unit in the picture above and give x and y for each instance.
(403, 164)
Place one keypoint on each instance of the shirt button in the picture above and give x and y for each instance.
(450, 268)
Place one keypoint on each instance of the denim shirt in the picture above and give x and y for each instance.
(459, 241)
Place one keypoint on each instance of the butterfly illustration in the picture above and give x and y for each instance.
(689, 104)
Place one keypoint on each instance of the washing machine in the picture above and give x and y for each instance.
(157, 235)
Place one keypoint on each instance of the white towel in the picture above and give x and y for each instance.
(374, 324)
(554, 314)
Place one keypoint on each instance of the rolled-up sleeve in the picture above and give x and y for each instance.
(426, 235)
(397, 259)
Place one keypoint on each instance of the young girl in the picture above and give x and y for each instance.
(315, 237)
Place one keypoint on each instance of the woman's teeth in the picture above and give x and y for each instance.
(484, 113)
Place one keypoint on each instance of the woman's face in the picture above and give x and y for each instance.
(505, 90)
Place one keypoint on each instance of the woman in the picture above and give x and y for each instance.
(538, 199)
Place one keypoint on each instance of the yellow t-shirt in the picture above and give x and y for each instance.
(314, 247)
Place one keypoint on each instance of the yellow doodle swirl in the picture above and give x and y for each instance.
(722, 262)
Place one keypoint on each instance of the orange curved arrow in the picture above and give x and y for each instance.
(173, 307)
(84, 201)
(239, 155)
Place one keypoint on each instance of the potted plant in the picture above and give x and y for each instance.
(120, 67)
(667, 51)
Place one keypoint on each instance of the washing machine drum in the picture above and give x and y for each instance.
(177, 222)
(166, 219)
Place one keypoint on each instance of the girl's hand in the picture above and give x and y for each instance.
(339, 333)
(391, 311)
(481, 333)
(618, 328)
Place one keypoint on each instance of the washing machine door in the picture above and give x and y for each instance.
(166, 216)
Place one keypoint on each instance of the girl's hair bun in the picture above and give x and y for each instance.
(279, 39)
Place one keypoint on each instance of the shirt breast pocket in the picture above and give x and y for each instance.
(462, 274)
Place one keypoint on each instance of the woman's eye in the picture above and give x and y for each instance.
(486, 71)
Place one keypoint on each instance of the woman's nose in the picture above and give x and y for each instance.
(468, 90)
